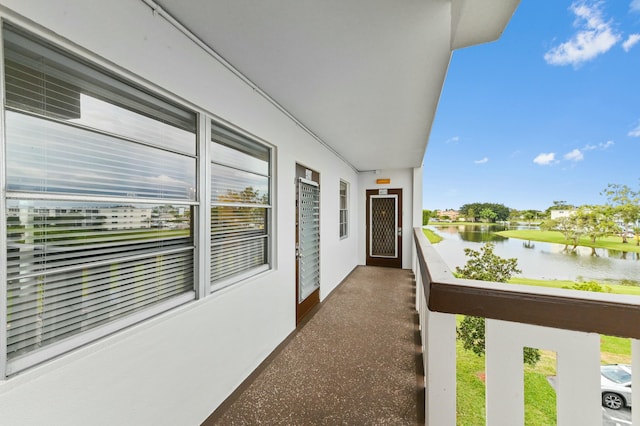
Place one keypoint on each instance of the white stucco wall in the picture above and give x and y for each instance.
(178, 367)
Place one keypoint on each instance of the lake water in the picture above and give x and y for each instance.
(538, 260)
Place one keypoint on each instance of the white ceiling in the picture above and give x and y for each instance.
(364, 76)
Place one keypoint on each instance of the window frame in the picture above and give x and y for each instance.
(57, 348)
(344, 210)
(201, 220)
(270, 207)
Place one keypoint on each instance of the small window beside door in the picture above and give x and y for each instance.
(344, 209)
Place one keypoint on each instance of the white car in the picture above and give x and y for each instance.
(615, 380)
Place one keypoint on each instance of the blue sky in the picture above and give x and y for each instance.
(550, 111)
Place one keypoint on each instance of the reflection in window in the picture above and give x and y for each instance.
(101, 196)
(240, 205)
(73, 266)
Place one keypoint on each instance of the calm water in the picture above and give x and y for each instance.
(538, 260)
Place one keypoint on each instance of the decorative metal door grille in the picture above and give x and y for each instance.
(308, 238)
(383, 241)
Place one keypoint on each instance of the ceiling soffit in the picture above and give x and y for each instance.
(364, 76)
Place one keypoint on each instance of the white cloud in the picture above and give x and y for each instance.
(484, 160)
(635, 6)
(594, 37)
(601, 146)
(545, 159)
(635, 132)
(452, 140)
(630, 42)
(575, 155)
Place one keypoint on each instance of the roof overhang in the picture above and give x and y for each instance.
(479, 21)
(364, 76)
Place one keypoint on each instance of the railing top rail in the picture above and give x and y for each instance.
(604, 313)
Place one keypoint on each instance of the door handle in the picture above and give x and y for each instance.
(399, 232)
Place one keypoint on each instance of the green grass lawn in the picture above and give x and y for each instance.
(611, 242)
(609, 288)
(540, 398)
(432, 236)
(470, 409)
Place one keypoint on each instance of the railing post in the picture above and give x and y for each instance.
(418, 277)
(578, 372)
(635, 381)
(440, 372)
(438, 332)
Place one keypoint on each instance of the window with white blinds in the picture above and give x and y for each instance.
(240, 206)
(101, 196)
(344, 209)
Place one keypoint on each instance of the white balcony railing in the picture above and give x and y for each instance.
(568, 322)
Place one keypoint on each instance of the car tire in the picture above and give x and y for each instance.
(612, 400)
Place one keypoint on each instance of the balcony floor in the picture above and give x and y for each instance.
(355, 361)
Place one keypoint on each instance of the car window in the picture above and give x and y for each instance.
(616, 374)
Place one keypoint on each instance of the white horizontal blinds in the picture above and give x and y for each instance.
(53, 157)
(100, 197)
(44, 80)
(73, 268)
(234, 150)
(240, 204)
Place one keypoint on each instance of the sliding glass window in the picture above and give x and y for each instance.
(240, 206)
(100, 202)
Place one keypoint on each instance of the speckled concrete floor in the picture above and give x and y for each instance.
(355, 362)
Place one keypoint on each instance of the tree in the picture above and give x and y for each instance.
(626, 204)
(531, 215)
(595, 222)
(426, 215)
(473, 211)
(470, 214)
(484, 265)
(567, 225)
(560, 205)
(488, 215)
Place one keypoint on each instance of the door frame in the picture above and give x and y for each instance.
(391, 262)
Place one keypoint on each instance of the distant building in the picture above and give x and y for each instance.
(453, 215)
(127, 217)
(106, 218)
(557, 214)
